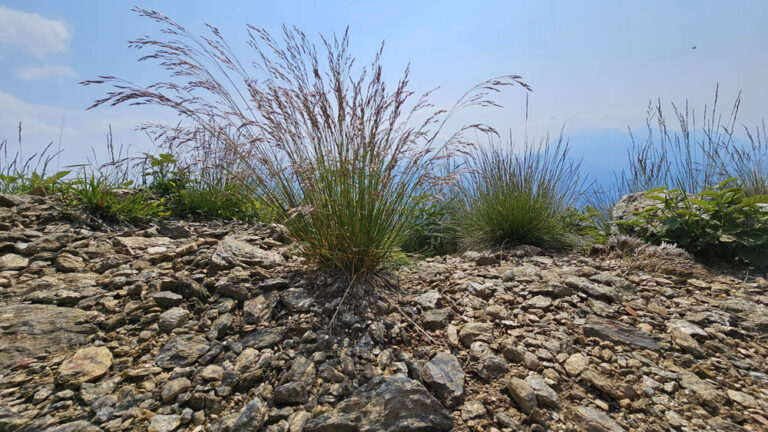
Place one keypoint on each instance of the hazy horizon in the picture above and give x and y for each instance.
(593, 65)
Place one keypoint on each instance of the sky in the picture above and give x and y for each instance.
(593, 65)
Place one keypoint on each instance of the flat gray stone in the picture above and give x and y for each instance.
(386, 404)
(594, 420)
(619, 333)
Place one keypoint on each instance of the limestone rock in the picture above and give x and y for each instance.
(12, 262)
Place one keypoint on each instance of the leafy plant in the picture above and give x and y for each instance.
(161, 175)
(330, 149)
(721, 222)
(510, 198)
(94, 194)
(696, 150)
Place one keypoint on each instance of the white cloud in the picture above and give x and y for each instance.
(34, 73)
(33, 33)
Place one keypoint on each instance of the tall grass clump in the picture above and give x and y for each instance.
(331, 149)
(510, 197)
(690, 151)
(699, 153)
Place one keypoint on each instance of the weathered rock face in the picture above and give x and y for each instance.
(30, 330)
(232, 251)
(219, 327)
(387, 404)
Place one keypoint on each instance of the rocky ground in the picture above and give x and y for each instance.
(222, 327)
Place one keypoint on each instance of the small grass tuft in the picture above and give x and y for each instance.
(509, 198)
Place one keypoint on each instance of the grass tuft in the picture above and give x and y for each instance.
(509, 198)
(330, 149)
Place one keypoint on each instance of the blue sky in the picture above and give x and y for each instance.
(593, 65)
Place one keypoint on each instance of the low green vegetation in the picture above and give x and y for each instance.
(723, 222)
(95, 194)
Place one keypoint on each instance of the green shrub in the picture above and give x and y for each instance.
(327, 147)
(722, 222)
(95, 195)
(510, 198)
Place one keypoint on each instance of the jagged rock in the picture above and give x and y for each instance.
(490, 367)
(221, 326)
(607, 386)
(435, 319)
(427, 300)
(618, 333)
(68, 263)
(188, 288)
(274, 284)
(49, 243)
(28, 330)
(444, 375)
(75, 426)
(473, 409)
(264, 338)
(702, 391)
(523, 395)
(212, 373)
(8, 200)
(292, 393)
(593, 420)
(91, 392)
(592, 289)
(173, 318)
(538, 302)
(387, 404)
(233, 290)
(135, 245)
(545, 396)
(296, 300)
(86, 365)
(182, 351)
(252, 417)
(260, 308)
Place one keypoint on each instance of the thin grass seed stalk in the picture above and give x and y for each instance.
(329, 148)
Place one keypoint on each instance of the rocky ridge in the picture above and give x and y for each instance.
(223, 327)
